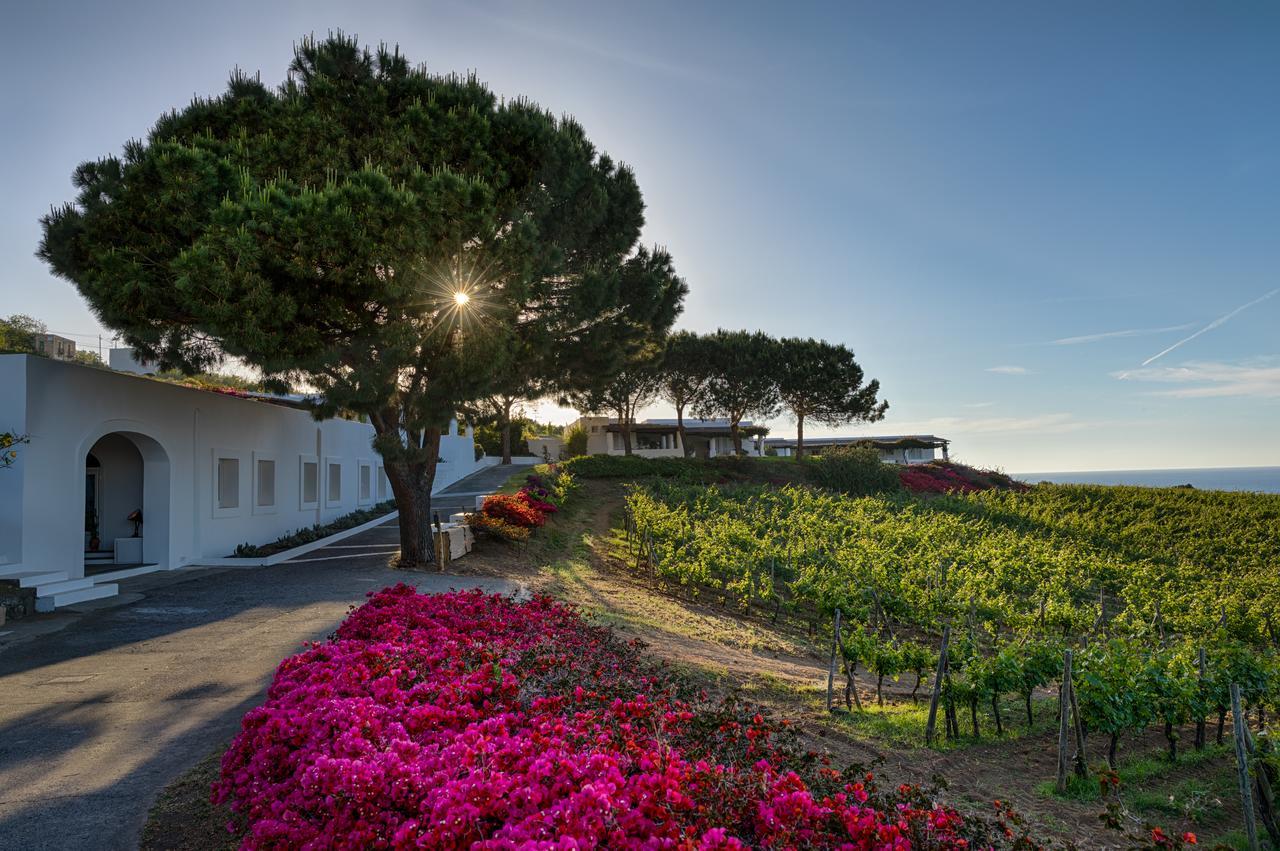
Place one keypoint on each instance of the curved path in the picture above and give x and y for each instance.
(102, 708)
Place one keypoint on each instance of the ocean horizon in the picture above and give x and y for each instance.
(1260, 479)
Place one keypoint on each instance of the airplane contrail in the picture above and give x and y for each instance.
(1221, 320)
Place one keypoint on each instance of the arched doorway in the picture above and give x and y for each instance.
(126, 503)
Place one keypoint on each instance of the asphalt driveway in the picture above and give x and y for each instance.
(100, 709)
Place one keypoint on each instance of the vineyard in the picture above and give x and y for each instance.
(1164, 597)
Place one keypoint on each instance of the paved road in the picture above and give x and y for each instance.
(100, 709)
(461, 496)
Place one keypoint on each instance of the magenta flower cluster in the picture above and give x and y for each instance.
(467, 720)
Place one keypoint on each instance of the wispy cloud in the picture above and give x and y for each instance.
(1258, 378)
(978, 404)
(1217, 323)
(1111, 335)
(1009, 370)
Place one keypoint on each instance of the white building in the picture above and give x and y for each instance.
(894, 449)
(207, 470)
(661, 438)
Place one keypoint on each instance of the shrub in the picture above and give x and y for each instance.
(484, 524)
(950, 477)
(855, 470)
(510, 508)
(575, 442)
(470, 720)
(534, 498)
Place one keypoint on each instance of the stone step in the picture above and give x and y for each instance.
(28, 578)
(48, 588)
(69, 598)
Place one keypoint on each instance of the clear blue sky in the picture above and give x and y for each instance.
(948, 188)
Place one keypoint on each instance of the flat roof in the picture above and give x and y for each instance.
(909, 441)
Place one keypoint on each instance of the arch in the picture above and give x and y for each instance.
(154, 481)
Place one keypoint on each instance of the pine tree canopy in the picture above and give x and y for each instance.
(323, 232)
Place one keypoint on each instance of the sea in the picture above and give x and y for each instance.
(1263, 479)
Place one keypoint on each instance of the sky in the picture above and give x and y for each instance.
(1051, 231)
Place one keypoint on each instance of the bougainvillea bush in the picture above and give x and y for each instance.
(949, 477)
(467, 720)
(511, 508)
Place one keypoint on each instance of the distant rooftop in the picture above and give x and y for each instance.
(922, 441)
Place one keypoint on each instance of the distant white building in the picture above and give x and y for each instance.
(206, 470)
(661, 438)
(127, 360)
(894, 449)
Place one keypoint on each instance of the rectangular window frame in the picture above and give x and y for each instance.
(256, 491)
(383, 486)
(220, 454)
(330, 462)
(303, 503)
(364, 482)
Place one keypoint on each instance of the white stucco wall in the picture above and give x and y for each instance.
(180, 433)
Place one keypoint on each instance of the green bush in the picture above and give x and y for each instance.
(575, 442)
(854, 470)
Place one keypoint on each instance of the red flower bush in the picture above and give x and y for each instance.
(514, 510)
(534, 501)
(949, 477)
(468, 720)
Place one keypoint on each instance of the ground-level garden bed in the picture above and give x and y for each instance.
(471, 720)
(315, 533)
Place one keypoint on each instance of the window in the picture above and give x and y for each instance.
(648, 440)
(308, 482)
(333, 476)
(226, 483)
(264, 484)
(366, 482)
(384, 486)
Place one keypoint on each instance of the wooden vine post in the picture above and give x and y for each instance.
(1064, 721)
(831, 666)
(1200, 724)
(1242, 768)
(931, 727)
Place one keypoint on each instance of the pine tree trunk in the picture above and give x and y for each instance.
(506, 440)
(411, 484)
(737, 437)
(799, 435)
(684, 444)
(626, 437)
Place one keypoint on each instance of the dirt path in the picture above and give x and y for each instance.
(782, 668)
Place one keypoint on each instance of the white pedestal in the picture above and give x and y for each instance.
(128, 551)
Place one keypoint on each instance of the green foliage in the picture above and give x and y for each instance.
(739, 378)
(18, 333)
(854, 470)
(623, 393)
(575, 442)
(8, 447)
(321, 231)
(821, 381)
(1026, 589)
